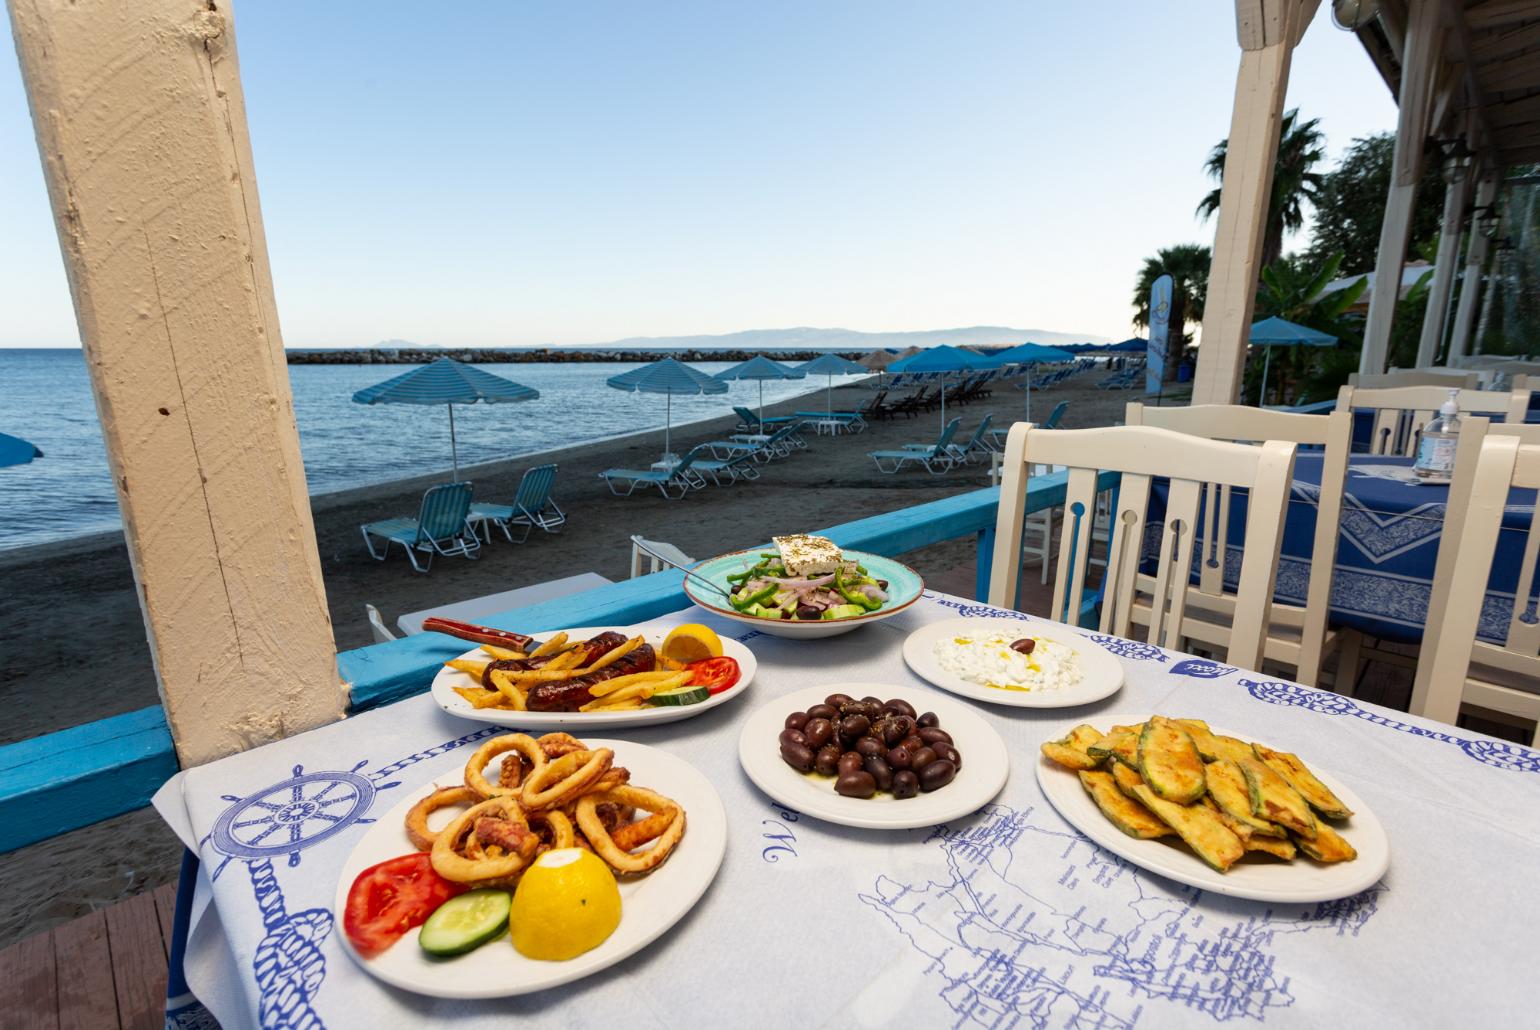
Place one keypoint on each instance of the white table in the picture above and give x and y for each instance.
(832, 426)
(1005, 918)
(480, 607)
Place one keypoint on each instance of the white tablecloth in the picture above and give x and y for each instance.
(1006, 918)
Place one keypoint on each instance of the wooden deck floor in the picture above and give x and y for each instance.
(104, 970)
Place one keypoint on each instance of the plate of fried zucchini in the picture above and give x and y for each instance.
(1214, 809)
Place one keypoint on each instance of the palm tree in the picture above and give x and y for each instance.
(1187, 265)
(1301, 147)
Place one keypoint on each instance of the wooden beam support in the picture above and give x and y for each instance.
(141, 126)
(1442, 286)
(1496, 14)
(1475, 261)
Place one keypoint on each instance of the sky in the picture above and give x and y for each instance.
(546, 173)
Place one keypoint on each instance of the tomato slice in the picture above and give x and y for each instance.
(715, 674)
(391, 898)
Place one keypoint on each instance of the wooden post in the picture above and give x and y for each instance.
(1475, 261)
(1268, 32)
(1423, 49)
(1443, 272)
(142, 129)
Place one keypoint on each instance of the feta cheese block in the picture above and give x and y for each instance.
(807, 556)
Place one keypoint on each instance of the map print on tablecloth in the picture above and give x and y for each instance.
(1009, 946)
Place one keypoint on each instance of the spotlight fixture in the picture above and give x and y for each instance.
(1352, 15)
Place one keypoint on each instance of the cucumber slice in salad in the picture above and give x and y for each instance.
(685, 695)
(466, 922)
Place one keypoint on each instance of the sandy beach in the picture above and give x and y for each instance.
(74, 618)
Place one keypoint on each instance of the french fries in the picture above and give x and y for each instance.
(472, 667)
(502, 654)
(556, 643)
(508, 689)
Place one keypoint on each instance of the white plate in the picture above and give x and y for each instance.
(1259, 879)
(447, 679)
(1102, 673)
(649, 906)
(985, 763)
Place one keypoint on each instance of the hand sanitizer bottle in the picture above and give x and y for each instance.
(1435, 454)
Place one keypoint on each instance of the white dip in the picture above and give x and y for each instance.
(989, 661)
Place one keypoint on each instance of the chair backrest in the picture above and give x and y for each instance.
(1053, 420)
(535, 488)
(663, 553)
(978, 434)
(1243, 424)
(443, 512)
(1401, 413)
(945, 439)
(782, 433)
(1141, 454)
(1450, 643)
(688, 460)
(377, 625)
(1448, 378)
(746, 416)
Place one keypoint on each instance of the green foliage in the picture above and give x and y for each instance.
(1292, 289)
(1301, 147)
(1350, 204)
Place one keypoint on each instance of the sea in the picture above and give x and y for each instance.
(45, 397)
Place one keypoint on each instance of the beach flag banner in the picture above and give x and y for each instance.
(1160, 316)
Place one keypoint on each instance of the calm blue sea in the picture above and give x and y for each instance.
(45, 397)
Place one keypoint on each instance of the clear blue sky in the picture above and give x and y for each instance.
(571, 173)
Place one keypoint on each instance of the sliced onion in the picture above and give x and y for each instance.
(802, 584)
(874, 592)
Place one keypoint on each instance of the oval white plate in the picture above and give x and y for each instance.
(649, 906)
(447, 679)
(1102, 673)
(985, 763)
(1259, 879)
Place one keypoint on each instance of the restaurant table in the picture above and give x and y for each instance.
(1006, 917)
(480, 607)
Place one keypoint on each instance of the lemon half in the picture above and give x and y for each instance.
(691, 643)
(566, 903)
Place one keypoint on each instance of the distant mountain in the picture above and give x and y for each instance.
(807, 338)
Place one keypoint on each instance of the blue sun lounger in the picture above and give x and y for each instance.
(682, 476)
(442, 526)
(937, 457)
(532, 506)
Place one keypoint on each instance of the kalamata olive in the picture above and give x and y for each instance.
(928, 719)
(882, 585)
(870, 711)
(858, 784)
(950, 753)
(796, 720)
(912, 743)
(853, 726)
(898, 757)
(850, 761)
(818, 732)
(931, 734)
(1025, 645)
(905, 784)
(937, 775)
(869, 746)
(880, 771)
(808, 611)
(835, 700)
(907, 722)
(899, 706)
(827, 761)
(892, 731)
(785, 613)
(921, 757)
(798, 757)
(870, 700)
(793, 737)
(823, 712)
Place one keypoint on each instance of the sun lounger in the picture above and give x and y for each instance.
(978, 443)
(681, 477)
(1051, 422)
(441, 527)
(532, 506)
(852, 421)
(748, 421)
(777, 445)
(740, 466)
(937, 457)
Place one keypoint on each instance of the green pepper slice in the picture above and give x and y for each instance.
(759, 596)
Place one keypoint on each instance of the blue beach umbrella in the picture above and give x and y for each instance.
(16, 451)
(667, 376)
(760, 368)
(1279, 332)
(1132, 345)
(1032, 354)
(832, 365)
(945, 361)
(446, 381)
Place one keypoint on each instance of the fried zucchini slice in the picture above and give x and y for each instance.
(1273, 846)
(1123, 812)
(1122, 744)
(1299, 776)
(1126, 777)
(1237, 827)
(1273, 799)
(1215, 747)
(1328, 846)
(1202, 829)
(1070, 751)
(1169, 761)
(1227, 786)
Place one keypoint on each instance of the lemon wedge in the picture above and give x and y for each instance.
(691, 643)
(566, 903)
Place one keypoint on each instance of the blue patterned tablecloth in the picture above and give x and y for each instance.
(1008, 917)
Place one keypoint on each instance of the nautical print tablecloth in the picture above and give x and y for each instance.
(1005, 918)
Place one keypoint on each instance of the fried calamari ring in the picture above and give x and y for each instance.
(449, 863)
(417, 819)
(570, 776)
(618, 776)
(557, 744)
(475, 769)
(620, 859)
(554, 828)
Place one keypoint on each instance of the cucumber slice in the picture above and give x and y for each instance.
(466, 922)
(685, 695)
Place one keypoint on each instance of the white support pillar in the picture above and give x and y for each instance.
(141, 126)
(1443, 271)
(1419, 71)
(1268, 31)
(1475, 261)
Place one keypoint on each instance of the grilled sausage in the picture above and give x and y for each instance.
(597, 648)
(570, 695)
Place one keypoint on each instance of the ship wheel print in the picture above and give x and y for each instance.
(298, 813)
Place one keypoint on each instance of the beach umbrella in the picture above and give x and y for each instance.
(448, 382)
(16, 451)
(1279, 332)
(878, 360)
(944, 361)
(831, 365)
(1132, 345)
(759, 368)
(667, 376)
(1032, 354)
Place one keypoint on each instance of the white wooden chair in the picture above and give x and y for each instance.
(377, 626)
(1455, 667)
(657, 555)
(1140, 454)
(1298, 637)
(1448, 378)
(1400, 413)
